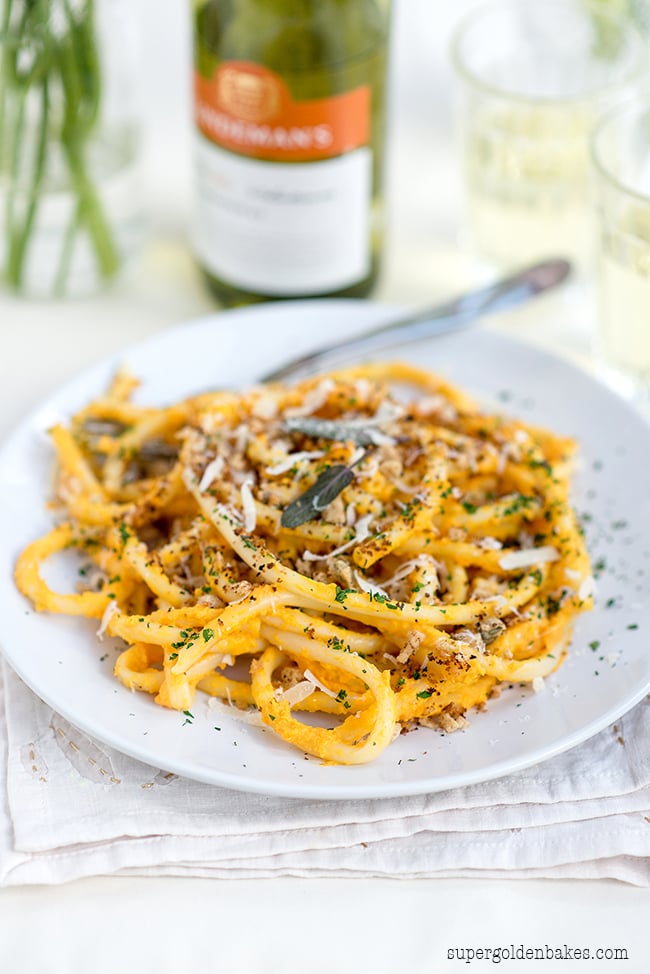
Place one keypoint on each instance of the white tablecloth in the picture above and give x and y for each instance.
(75, 808)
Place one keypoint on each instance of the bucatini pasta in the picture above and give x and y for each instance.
(367, 545)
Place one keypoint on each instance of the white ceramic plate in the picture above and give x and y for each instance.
(608, 670)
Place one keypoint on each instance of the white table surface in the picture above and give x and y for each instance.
(162, 924)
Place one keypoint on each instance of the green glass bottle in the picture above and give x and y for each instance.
(290, 117)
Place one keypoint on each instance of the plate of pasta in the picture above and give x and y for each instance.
(406, 575)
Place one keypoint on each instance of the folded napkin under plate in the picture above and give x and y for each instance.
(71, 807)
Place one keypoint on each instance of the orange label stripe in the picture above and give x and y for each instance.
(249, 109)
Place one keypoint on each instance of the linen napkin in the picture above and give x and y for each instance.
(70, 807)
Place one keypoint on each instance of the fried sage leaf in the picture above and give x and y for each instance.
(360, 433)
(316, 498)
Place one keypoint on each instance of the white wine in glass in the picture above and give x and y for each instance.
(625, 298)
(526, 178)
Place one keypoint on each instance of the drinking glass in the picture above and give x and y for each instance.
(533, 79)
(621, 160)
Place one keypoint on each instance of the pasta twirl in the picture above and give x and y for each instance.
(445, 560)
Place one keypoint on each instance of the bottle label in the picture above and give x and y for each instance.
(283, 228)
(283, 186)
(249, 109)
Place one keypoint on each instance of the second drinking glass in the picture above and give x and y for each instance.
(534, 77)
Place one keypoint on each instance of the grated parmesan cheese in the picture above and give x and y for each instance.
(224, 659)
(381, 439)
(110, 610)
(248, 505)
(388, 412)
(526, 557)
(228, 513)
(362, 387)
(238, 591)
(316, 683)
(245, 716)
(188, 478)
(369, 467)
(404, 487)
(422, 561)
(587, 589)
(265, 406)
(211, 472)
(212, 601)
(295, 694)
(489, 544)
(292, 459)
(240, 436)
(431, 404)
(370, 587)
(362, 531)
(538, 684)
(314, 399)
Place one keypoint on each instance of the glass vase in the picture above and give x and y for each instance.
(70, 185)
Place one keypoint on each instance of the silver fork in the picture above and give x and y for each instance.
(460, 312)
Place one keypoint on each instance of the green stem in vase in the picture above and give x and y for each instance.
(91, 211)
(26, 82)
(4, 55)
(20, 237)
(14, 160)
(79, 71)
(66, 253)
(65, 65)
(85, 46)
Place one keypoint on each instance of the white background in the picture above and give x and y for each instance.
(180, 925)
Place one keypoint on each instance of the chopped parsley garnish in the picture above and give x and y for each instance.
(519, 503)
(342, 594)
(341, 697)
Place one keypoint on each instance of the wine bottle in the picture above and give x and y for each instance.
(289, 113)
